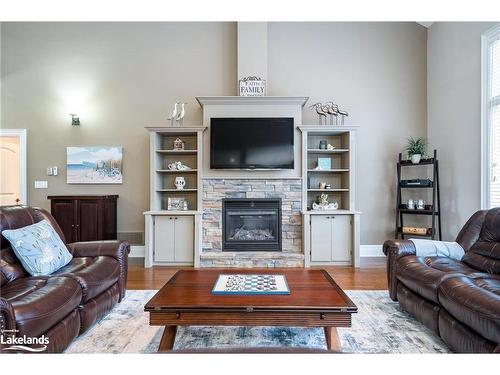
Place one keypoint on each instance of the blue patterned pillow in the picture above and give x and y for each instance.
(39, 248)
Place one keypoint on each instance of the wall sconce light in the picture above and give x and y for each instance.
(75, 120)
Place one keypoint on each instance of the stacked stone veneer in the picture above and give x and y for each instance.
(290, 192)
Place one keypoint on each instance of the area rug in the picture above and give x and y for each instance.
(380, 326)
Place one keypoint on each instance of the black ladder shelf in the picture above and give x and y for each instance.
(433, 210)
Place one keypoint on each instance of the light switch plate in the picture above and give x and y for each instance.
(41, 185)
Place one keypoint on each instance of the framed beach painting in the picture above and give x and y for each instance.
(94, 165)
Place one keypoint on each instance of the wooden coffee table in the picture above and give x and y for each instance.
(315, 300)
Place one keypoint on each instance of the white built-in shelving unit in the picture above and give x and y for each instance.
(172, 236)
(330, 236)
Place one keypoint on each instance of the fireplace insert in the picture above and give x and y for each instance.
(251, 224)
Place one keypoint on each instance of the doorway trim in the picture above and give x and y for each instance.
(21, 134)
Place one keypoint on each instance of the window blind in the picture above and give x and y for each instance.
(494, 120)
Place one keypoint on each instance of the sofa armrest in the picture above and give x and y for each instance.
(116, 249)
(7, 316)
(394, 250)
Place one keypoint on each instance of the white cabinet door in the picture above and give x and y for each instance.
(321, 238)
(164, 238)
(184, 239)
(341, 238)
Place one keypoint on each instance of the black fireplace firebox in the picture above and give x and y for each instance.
(251, 224)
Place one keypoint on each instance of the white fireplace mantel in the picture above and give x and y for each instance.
(252, 100)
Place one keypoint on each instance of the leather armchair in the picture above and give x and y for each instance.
(68, 302)
(459, 300)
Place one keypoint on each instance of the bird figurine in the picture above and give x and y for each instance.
(180, 116)
(332, 110)
(174, 113)
(319, 110)
(343, 114)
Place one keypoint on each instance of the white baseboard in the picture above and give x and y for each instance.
(364, 251)
(136, 252)
(371, 251)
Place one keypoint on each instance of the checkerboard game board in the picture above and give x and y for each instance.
(250, 284)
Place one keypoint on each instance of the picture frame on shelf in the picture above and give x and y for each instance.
(177, 204)
(324, 164)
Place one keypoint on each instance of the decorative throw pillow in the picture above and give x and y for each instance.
(39, 248)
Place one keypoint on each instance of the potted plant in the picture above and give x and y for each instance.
(416, 149)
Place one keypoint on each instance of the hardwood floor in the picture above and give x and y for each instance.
(370, 276)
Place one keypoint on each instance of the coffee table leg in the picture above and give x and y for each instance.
(332, 339)
(167, 339)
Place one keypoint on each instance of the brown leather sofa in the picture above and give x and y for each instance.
(458, 300)
(65, 304)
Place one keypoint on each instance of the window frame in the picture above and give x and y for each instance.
(486, 40)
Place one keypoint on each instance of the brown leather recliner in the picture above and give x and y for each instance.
(68, 302)
(459, 300)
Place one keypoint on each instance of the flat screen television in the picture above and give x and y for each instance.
(251, 143)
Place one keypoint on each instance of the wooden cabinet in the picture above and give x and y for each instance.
(331, 239)
(173, 239)
(85, 217)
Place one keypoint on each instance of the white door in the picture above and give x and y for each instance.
(184, 239)
(11, 191)
(341, 238)
(164, 243)
(321, 238)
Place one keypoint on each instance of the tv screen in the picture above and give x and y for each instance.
(251, 143)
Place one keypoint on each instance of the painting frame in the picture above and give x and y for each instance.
(95, 165)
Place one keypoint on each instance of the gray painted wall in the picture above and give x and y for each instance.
(127, 76)
(121, 77)
(377, 72)
(454, 116)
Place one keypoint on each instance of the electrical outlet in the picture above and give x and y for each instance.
(41, 185)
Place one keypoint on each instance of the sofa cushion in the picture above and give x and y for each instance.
(423, 275)
(13, 217)
(38, 247)
(41, 302)
(474, 301)
(94, 274)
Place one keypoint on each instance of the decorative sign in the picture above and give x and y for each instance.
(252, 86)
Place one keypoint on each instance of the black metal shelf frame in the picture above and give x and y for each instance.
(433, 210)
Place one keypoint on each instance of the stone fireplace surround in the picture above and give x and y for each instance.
(290, 192)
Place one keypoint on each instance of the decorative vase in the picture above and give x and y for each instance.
(179, 183)
(415, 158)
